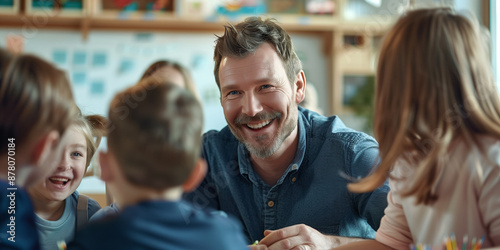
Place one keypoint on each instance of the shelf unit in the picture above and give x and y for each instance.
(12, 8)
(332, 28)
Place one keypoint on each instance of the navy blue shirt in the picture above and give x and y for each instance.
(17, 219)
(312, 191)
(162, 225)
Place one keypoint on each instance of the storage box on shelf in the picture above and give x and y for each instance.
(9, 7)
(131, 10)
(356, 54)
(62, 8)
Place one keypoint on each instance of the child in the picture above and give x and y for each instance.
(437, 119)
(36, 107)
(160, 71)
(176, 73)
(56, 199)
(154, 145)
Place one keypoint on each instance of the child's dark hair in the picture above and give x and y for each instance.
(155, 133)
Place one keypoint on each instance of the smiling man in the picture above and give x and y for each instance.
(279, 167)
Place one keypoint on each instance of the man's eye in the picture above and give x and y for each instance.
(234, 92)
(266, 86)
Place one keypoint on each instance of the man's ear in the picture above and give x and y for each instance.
(196, 177)
(300, 85)
(105, 161)
(44, 149)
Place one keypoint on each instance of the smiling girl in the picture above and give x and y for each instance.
(56, 199)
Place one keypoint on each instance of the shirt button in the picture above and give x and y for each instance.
(295, 167)
(294, 179)
(270, 203)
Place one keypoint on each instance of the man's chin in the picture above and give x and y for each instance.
(260, 152)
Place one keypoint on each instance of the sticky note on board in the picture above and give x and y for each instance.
(59, 57)
(79, 78)
(99, 59)
(97, 88)
(79, 58)
(14, 43)
(126, 65)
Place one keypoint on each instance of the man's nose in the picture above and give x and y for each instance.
(251, 105)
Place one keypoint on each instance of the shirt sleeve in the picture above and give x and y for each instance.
(369, 205)
(394, 231)
(489, 202)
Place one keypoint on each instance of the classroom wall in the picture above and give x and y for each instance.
(108, 62)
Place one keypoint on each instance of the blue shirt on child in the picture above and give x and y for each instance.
(312, 191)
(63, 229)
(161, 225)
(17, 219)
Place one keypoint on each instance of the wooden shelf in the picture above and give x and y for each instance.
(46, 20)
(331, 28)
(40, 22)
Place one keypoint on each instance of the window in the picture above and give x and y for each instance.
(495, 39)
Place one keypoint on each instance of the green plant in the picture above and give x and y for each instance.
(362, 103)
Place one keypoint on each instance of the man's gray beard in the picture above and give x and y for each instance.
(263, 151)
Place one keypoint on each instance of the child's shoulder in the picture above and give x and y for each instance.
(92, 205)
(177, 213)
(487, 151)
(166, 220)
(492, 145)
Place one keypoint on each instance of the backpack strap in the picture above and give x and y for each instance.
(82, 211)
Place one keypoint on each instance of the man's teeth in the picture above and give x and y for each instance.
(259, 125)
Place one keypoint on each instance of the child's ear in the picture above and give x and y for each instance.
(300, 85)
(196, 177)
(106, 169)
(43, 152)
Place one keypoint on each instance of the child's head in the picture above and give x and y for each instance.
(155, 134)
(36, 107)
(173, 72)
(434, 84)
(84, 135)
(434, 79)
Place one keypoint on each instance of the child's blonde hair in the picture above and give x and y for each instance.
(93, 128)
(155, 133)
(434, 85)
(35, 98)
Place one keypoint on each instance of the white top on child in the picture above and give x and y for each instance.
(468, 203)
